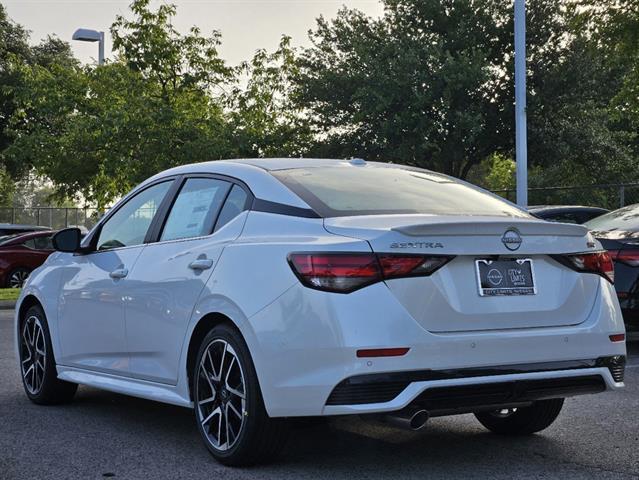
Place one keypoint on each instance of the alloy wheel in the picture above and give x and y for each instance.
(18, 278)
(221, 395)
(33, 354)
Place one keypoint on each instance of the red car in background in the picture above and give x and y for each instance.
(20, 254)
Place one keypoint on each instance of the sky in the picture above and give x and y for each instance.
(246, 25)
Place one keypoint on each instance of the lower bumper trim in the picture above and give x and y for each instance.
(384, 387)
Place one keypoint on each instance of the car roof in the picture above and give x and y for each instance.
(255, 172)
(19, 237)
(17, 226)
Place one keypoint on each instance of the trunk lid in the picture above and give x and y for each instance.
(449, 300)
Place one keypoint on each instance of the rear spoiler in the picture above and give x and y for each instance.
(490, 227)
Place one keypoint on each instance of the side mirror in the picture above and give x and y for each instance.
(67, 240)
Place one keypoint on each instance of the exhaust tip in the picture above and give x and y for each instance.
(419, 419)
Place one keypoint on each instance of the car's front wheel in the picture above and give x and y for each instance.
(229, 409)
(522, 421)
(37, 363)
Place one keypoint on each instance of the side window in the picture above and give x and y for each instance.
(234, 205)
(195, 208)
(43, 243)
(128, 226)
(29, 243)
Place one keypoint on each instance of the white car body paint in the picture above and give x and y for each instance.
(303, 342)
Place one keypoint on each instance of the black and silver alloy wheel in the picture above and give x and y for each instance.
(37, 361)
(221, 395)
(228, 404)
(33, 354)
(18, 277)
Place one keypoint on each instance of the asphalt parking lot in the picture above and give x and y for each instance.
(105, 435)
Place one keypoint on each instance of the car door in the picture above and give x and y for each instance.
(171, 273)
(94, 285)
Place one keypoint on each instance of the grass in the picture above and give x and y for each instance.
(9, 293)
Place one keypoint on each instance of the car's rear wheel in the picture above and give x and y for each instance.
(522, 421)
(37, 363)
(17, 277)
(229, 409)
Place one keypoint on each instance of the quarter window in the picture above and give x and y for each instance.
(234, 205)
(195, 209)
(129, 225)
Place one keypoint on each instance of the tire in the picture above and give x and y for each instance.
(17, 277)
(37, 363)
(225, 387)
(522, 421)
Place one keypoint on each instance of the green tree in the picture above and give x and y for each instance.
(265, 120)
(16, 53)
(97, 131)
(430, 84)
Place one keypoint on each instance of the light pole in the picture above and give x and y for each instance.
(521, 137)
(86, 35)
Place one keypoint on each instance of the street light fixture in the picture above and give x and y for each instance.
(87, 35)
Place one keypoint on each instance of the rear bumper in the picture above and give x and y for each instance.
(305, 344)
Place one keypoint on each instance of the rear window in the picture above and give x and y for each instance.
(626, 218)
(344, 191)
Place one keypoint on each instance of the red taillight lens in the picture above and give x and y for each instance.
(596, 262)
(346, 272)
(336, 272)
(395, 266)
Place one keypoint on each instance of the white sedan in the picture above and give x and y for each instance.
(256, 290)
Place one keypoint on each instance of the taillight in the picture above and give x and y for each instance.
(595, 262)
(346, 272)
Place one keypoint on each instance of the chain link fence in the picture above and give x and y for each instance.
(611, 196)
(53, 217)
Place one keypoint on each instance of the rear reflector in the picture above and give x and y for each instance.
(382, 352)
(346, 272)
(619, 337)
(595, 262)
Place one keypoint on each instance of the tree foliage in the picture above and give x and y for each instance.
(429, 83)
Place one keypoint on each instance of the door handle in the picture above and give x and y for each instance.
(119, 273)
(201, 264)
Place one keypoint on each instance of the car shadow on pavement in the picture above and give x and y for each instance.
(319, 447)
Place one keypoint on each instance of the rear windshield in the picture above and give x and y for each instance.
(344, 191)
(626, 219)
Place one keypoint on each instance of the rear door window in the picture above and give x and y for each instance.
(195, 209)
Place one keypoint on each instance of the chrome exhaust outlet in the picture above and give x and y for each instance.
(408, 418)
